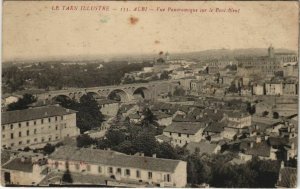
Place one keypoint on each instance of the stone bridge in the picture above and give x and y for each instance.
(127, 92)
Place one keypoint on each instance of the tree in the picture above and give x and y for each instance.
(275, 115)
(265, 113)
(149, 118)
(48, 148)
(67, 178)
(22, 103)
(84, 140)
(164, 75)
(165, 150)
(115, 137)
(145, 142)
(179, 91)
(89, 115)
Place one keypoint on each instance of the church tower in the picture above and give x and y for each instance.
(271, 51)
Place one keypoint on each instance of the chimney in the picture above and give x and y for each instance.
(215, 111)
(68, 110)
(141, 154)
(154, 155)
(266, 137)
(22, 159)
(282, 165)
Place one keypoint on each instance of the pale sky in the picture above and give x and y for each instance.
(32, 30)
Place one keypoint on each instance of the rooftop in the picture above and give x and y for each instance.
(96, 156)
(34, 113)
(202, 146)
(185, 127)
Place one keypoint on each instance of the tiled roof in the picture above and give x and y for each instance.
(259, 149)
(18, 165)
(34, 113)
(288, 178)
(185, 127)
(215, 127)
(96, 156)
(204, 147)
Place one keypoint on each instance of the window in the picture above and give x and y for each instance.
(12, 144)
(127, 172)
(56, 137)
(35, 140)
(27, 123)
(179, 134)
(20, 134)
(77, 166)
(20, 143)
(12, 136)
(27, 132)
(110, 170)
(56, 164)
(42, 121)
(119, 170)
(19, 125)
(149, 175)
(49, 138)
(88, 168)
(56, 127)
(55, 118)
(3, 128)
(3, 136)
(28, 141)
(43, 139)
(49, 119)
(167, 177)
(11, 126)
(62, 117)
(99, 169)
(138, 174)
(170, 134)
(34, 131)
(34, 123)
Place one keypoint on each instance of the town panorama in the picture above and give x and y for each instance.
(219, 118)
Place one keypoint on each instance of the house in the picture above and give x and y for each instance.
(274, 88)
(135, 117)
(238, 119)
(163, 119)
(24, 170)
(38, 126)
(119, 167)
(287, 177)
(259, 149)
(203, 147)
(182, 133)
(108, 107)
(258, 89)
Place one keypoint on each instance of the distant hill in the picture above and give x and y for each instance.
(198, 55)
(226, 53)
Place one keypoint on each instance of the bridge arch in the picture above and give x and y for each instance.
(93, 94)
(119, 95)
(61, 98)
(142, 92)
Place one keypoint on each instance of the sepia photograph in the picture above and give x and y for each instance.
(136, 94)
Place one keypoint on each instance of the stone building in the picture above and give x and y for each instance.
(120, 167)
(38, 126)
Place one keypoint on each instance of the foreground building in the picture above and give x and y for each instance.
(38, 126)
(119, 167)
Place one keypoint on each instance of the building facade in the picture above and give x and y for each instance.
(37, 126)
